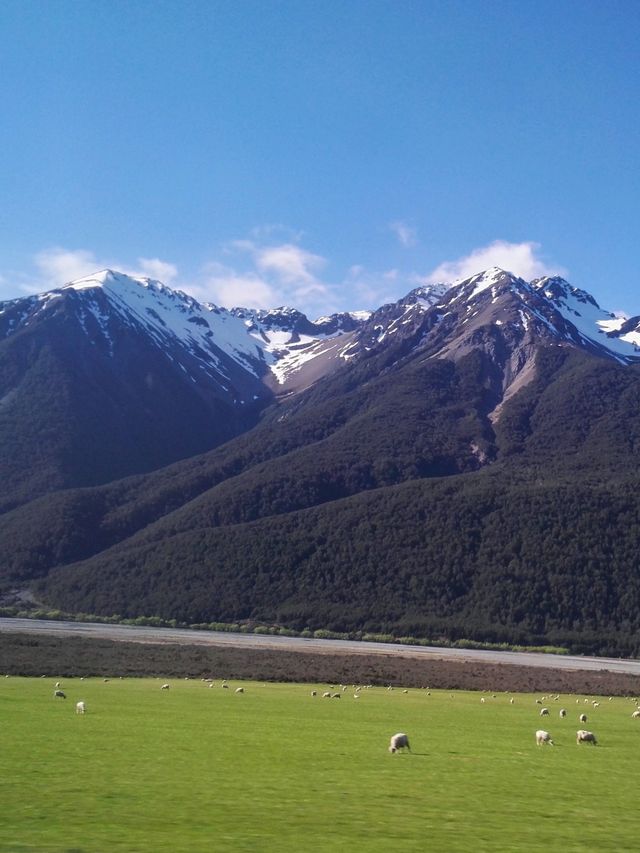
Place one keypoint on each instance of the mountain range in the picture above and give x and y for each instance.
(458, 463)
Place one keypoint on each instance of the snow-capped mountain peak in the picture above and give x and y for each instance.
(259, 352)
(202, 339)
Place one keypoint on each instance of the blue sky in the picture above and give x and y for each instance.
(326, 155)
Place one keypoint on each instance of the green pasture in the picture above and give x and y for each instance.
(196, 769)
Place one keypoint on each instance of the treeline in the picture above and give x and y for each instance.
(466, 557)
(269, 630)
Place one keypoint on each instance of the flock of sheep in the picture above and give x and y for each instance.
(58, 693)
(582, 735)
(400, 740)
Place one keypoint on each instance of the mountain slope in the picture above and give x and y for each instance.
(465, 461)
(540, 545)
(112, 375)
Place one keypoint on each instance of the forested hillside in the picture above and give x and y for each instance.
(434, 523)
(467, 469)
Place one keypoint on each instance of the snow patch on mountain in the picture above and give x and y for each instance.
(591, 322)
(196, 336)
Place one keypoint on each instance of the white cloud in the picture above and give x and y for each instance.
(226, 287)
(155, 268)
(58, 266)
(522, 259)
(266, 275)
(407, 236)
(289, 263)
(255, 274)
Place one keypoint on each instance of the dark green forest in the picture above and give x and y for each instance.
(384, 499)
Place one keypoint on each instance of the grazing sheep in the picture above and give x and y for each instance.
(326, 695)
(482, 700)
(583, 736)
(544, 712)
(596, 704)
(511, 701)
(314, 692)
(58, 685)
(165, 687)
(543, 737)
(399, 741)
(635, 715)
(59, 694)
(583, 718)
(80, 708)
(563, 712)
(239, 689)
(336, 695)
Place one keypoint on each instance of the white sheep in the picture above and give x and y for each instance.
(399, 741)
(583, 718)
(544, 712)
(165, 687)
(326, 695)
(583, 736)
(314, 692)
(635, 715)
(543, 737)
(80, 708)
(239, 689)
(563, 712)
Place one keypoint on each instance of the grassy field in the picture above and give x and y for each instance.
(198, 769)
